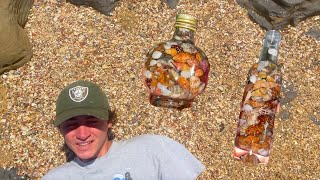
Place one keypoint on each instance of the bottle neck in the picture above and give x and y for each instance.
(184, 34)
(270, 47)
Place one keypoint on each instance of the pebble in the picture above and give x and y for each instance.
(253, 78)
(153, 62)
(156, 55)
(247, 107)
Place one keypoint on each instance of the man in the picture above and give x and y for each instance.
(84, 118)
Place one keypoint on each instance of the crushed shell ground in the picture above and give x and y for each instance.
(71, 43)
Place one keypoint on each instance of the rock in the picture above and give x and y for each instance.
(284, 114)
(277, 14)
(289, 94)
(314, 119)
(103, 6)
(171, 3)
(314, 32)
(9, 174)
(15, 48)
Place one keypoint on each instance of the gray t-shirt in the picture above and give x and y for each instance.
(145, 157)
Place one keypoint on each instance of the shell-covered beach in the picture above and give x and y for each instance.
(72, 43)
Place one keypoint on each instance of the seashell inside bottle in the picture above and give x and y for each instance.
(260, 103)
(176, 71)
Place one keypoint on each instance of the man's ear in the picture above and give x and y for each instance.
(109, 124)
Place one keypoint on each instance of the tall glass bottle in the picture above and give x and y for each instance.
(176, 71)
(259, 105)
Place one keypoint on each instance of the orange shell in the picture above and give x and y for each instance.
(254, 130)
(181, 66)
(248, 140)
(154, 82)
(198, 56)
(172, 51)
(183, 82)
(193, 62)
(182, 57)
(198, 72)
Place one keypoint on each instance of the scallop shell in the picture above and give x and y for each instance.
(182, 57)
(183, 82)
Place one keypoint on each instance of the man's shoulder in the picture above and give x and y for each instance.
(57, 172)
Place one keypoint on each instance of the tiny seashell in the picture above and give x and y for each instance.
(183, 82)
(181, 66)
(242, 122)
(174, 74)
(273, 52)
(253, 79)
(176, 89)
(147, 74)
(262, 64)
(263, 152)
(182, 57)
(198, 72)
(247, 107)
(187, 47)
(262, 75)
(194, 82)
(198, 56)
(170, 43)
(163, 89)
(171, 51)
(167, 46)
(185, 74)
(153, 62)
(156, 55)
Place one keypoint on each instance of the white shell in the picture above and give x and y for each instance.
(247, 107)
(187, 47)
(273, 52)
(253, 78)
(156, 55)
(147, 74)
(153, 62)
(185, 74)
(163, 89)
(167, 46)
(263, 152)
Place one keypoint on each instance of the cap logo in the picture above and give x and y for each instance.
(78, 93)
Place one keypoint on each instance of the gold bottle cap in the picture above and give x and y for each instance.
(186, 21)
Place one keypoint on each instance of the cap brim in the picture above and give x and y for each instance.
(96, 112)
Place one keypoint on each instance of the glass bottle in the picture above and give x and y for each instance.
(176, 71)
(259, 105)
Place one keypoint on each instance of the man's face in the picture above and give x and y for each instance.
(86, 136)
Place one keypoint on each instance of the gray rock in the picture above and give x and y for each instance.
(15, 48)
(314, 32)
(289, 3)
(103, 6)
(284, 114)
(10, 174)
(171, 3)
(314, 119)
(289, 94)
(277, 14)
